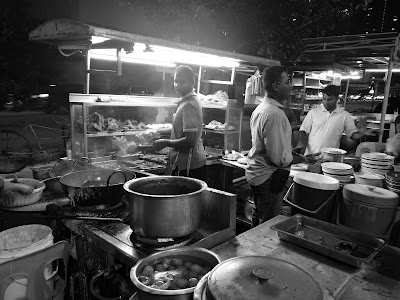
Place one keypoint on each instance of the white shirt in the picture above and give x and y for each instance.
(271, 136)
(325, 129)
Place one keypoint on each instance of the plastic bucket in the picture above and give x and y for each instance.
(373, 216)
(313, 195)
(17, 242)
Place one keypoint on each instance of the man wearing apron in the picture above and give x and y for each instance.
(186, 156)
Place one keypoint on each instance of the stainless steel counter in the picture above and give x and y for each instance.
(378, 279)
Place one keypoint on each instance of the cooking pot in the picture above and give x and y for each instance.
(200, 256)
(165, 206)
(95, 186)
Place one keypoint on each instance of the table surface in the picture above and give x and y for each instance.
(378, 279)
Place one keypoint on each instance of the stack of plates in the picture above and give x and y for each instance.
(340, 171)
(370, 179)
(376, 163)
(393, 181)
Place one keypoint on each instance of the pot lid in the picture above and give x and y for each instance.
(317, 181)
(370, 194)
(260, 277)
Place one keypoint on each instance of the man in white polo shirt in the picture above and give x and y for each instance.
(324, 125)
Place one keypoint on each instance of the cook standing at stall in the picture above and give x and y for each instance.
(187, 156)
(324, 125)
(271, 150)
(15, 187)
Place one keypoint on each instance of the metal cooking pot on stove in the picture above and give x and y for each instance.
(165, 206)
(95, 186)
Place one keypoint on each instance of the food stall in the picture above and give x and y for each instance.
(356, 55)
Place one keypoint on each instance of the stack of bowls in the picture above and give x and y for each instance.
(393, 181)
(376, 163)
(370, 179)
(340, 171)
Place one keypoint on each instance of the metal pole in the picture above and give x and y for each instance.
(199, 79)
(386, 97)
(87, 71)
(346, 92)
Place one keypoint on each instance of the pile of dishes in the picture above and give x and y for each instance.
(393, 181)
(340, 171)
(370, 179)
(376, 163)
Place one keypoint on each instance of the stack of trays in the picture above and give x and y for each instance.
(370, 179)
(393, 181)
(340, 171)
(376, 163)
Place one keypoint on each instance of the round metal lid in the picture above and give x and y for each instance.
(260, 277)
(370, 194)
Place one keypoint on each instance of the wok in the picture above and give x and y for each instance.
(95, 186)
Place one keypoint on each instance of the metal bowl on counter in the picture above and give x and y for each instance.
(203, 258)
(257, 277)
(165, 206)
(95, 186)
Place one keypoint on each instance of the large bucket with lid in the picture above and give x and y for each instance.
(368, 208)
(19, 241)
(313, 195)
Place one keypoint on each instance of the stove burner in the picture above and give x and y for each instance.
(100, 207)
(159, 244)
(119, 210)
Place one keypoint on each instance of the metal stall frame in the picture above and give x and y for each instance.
(73, 35)
(378, 51)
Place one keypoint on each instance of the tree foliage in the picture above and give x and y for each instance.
(264, 27)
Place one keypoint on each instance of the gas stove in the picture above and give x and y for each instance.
(109, 242)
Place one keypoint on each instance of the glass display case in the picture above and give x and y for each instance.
(223, 126)
(100, 123)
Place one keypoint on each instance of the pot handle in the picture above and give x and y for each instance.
(83, 158)
(113, 173)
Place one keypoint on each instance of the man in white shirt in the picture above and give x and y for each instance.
(271, 150)
(324, 125)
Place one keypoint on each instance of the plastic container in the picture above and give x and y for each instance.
(313, 195)
(17, 242)
(368, 209)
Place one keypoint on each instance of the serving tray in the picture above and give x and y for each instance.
(338, 242)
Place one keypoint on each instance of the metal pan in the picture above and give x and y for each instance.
(338, 242)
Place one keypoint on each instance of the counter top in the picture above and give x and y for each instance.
(379, 279)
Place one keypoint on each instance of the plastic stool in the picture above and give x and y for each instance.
(32, 266)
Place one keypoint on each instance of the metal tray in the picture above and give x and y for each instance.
(345, 244)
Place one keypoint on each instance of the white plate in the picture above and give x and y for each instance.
(333, 151)
(336, 166)
(242, 160)
(232, 158)
(377, 156)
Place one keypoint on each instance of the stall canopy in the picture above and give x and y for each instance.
(108, 44)
(373, 53)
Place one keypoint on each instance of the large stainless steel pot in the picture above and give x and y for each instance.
(95, 186)
(165, 206)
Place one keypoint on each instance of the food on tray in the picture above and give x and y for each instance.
(218, 126)
(219, 97)
(172, 274)
(158, 126)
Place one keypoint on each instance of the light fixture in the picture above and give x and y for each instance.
(164, 56)
(382, 70)
(98, 39)
(111, 55)
(52, 85)
(355, 77)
